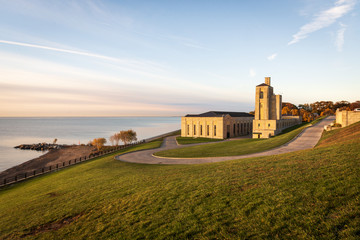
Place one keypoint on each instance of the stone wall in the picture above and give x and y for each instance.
(346, 118)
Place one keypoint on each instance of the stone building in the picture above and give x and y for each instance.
(268, 119)
(346, 118)
(215, 124)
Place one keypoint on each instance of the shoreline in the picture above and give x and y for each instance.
(54, 156)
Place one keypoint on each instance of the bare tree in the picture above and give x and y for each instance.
(112, 139)
(128, 136)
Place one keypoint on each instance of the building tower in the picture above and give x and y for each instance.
(267, 110)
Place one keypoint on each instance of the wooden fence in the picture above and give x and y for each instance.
(53, 168)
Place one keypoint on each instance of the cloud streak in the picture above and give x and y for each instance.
(272, 57)
(324, 19)
(340, 37)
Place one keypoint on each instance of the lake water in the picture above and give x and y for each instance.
(71, 130)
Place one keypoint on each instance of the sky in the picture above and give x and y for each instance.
(170, 58)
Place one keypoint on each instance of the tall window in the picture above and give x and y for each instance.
(214, 130)
(207, 130)
(238, 129)
(200, 130)
(261, 94)
(188, 130)
(194, 129)
(234, 128)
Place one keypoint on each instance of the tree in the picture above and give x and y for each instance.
(295, 112)
(112, 139)
(98, 143)
(127, 136)
(285, 111)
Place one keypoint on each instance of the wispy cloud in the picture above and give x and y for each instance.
(252, 72)
(324, 19)
(339, 42)
(187, 42)
(272, 56)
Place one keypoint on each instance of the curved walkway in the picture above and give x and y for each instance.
(305, 140)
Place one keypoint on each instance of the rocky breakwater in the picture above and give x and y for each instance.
(40, 146)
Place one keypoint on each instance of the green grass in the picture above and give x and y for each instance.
(190, 140)
(234, 147)
(312, 194)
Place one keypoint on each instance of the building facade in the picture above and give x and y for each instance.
(215, 124)
(268, 120)
(346, 118)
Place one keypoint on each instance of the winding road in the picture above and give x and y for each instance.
(308, 138)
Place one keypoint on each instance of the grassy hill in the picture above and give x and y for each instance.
(234, 147)
(311, 194)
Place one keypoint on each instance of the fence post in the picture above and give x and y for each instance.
(34, 172)
(4, 181)
(63, 164)
(50, 168)
(42, 170)
(69, 162)
(57, 166)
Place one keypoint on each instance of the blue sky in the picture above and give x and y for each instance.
(166, 58)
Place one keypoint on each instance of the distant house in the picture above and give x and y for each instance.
(216, 124)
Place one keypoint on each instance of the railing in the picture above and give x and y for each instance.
(53, 168)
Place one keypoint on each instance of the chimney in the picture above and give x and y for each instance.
(267, 81)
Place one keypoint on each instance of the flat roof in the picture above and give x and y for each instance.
(220, 114)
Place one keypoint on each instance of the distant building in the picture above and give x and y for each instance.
(215, 124)
(268, 119)
(266, 123)
(346, 118)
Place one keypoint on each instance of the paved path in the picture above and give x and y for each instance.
(307, 139)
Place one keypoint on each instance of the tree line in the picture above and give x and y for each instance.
(309, 112)
(126, 137)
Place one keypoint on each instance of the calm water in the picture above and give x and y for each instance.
(16, 131)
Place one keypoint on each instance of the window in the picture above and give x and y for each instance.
(261, 94)
(187, 130)
(194, 129)
(258, 124)
(214, 130)
(238, 128)
(234, 128)
(207, 130)
(268, 125)
(200, 130)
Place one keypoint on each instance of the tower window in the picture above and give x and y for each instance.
(261, 94)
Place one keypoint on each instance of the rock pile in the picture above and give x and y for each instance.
(40, 146)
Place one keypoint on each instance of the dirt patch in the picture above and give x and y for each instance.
(52, 226)
(51, 158)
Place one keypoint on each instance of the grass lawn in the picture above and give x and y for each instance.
(191, 140)
(312, 194)
(234, 147)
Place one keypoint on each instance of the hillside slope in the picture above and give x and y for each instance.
(341, 135)
(312, 194)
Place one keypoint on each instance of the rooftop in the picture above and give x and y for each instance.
(220, 114)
